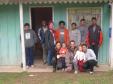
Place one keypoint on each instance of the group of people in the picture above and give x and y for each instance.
(66, 50)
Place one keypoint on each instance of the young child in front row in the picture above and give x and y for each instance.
(61, 56)
(79, 60)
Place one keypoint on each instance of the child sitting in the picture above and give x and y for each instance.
(61, 57)
(79, 60)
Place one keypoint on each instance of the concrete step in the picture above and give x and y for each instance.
(102, 68)
(44, 68)
(10, 69)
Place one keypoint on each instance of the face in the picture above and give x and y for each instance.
(51, 25)
(43, 23)
(26, 27)
(73, 26)
(94, 22)
(63, 45)
(58, 46)
(80, 48)
(82, 22)
(72, 45)
(84, 48)
(62, 25)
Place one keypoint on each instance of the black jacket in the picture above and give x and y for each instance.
(94, 37)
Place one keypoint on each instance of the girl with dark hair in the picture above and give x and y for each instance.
(56, 52)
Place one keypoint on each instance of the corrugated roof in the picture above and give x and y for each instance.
(52, 1)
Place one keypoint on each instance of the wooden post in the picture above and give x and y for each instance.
(22, 35)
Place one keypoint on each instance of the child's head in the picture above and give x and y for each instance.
(63, 45)
(80, 48)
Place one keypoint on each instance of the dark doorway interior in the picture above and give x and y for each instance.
(37, 15)
(40, 13)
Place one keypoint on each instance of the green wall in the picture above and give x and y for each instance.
(9, 35)
(60, 11)
(10, 50)
(104, 50)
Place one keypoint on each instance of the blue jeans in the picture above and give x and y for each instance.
(50, 56)
(29, 56)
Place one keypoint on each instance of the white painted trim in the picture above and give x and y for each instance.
(67, 18)
(22, 35)
(30, 18)
(111, 51)
(101, 16)
(39, 7)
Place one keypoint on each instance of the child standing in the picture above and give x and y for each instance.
(61, 57)
(79, 60)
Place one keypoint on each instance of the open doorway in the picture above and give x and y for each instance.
(37, 15)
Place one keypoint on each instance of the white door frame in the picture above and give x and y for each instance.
(22, 35)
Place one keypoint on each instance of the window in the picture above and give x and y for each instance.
(76, 14)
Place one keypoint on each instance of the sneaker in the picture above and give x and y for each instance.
(27, 67)
(97, 65)
(32, 66)
(54, 70)
(75, 72)
(63, 70)
(91, 72)
(44, 63)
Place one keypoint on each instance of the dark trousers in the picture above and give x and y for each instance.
(58, 63)
(45, 51)
(29, 56)
(54, 63)
(50, 56)
(61, 63)
(95, 48)
(90, 65)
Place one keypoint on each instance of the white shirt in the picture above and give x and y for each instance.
(79, 56)
(90, 55)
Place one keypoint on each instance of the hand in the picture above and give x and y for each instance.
(84, 61)
(58, 56)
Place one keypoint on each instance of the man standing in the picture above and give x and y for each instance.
(83, 30)
(94, 38)
(30, 40)
(41, 35)
(74, 34)
(50, 42)
(46, 36)
(62, 33)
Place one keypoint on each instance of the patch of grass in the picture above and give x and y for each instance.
(56, 78)
(98, 78)
(11, 78)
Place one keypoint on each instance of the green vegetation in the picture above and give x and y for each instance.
(56, 78)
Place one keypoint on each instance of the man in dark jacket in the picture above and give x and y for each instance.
(94, 37)
(47, 41)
